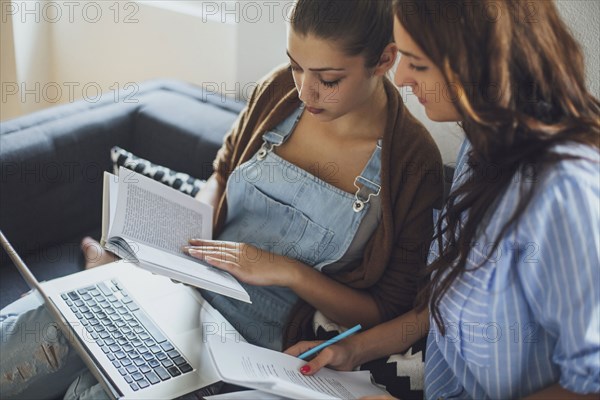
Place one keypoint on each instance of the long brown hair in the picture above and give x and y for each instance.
(517, 75)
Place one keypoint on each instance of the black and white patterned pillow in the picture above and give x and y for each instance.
(402, 375)
(177, 180)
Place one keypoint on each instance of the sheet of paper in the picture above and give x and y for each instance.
(274, 372)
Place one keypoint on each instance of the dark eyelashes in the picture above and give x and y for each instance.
(330, 84)
(327, 84)
(417, 68)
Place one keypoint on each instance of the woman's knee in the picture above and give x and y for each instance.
(34, 351)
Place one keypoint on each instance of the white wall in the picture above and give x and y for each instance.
(143, 42)
(31, 56)
(85, 49)
(8, 68)
(265, 41)
(583, 17)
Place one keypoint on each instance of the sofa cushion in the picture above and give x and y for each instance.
(177, 180)
(166, 132)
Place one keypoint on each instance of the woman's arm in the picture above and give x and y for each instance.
(340, 303)
(211, 192)
(392, 337)
(560, 281)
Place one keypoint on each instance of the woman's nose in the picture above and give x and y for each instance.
(308, 90)
(403, 77)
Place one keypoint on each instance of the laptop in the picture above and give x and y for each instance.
(140, 334)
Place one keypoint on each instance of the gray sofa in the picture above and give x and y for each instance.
(52, 163)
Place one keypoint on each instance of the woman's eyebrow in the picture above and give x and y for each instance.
(316, 69)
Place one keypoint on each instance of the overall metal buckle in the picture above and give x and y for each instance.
(359, 203)
(264, 150)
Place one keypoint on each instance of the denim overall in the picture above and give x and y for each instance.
(280, 208)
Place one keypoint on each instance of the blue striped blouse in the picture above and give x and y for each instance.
(529, 317)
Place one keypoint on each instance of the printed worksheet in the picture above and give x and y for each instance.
(255, 367)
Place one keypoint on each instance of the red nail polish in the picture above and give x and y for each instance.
(305, 369)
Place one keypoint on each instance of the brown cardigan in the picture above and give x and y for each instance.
(412, 183)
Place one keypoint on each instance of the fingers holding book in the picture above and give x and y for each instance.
(245, 262)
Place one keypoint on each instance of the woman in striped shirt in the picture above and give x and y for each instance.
(512, 308)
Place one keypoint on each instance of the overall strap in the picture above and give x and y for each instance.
(368, 183)
(278, 135)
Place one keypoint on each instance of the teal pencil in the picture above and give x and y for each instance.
(331, 341)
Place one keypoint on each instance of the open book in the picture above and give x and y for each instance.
(255, 367)
(147, 223)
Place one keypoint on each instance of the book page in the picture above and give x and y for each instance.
(188, 268)
(152, 213)
(113, 195)
(252, 366)
(110, 191)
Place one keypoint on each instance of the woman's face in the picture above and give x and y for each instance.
(423, 77)
(329, 82)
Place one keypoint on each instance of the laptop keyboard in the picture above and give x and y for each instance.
(126, 335)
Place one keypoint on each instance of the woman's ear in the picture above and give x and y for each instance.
(387, 59)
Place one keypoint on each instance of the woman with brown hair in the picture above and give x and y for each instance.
(512, 306)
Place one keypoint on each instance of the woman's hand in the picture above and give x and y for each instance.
(247, 263)
(337, 356)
